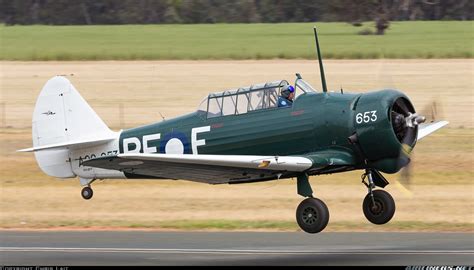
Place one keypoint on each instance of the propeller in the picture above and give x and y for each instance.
(403, 121)
(431, 112)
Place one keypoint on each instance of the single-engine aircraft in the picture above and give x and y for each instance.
(239, 136)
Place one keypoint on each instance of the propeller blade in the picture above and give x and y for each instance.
(403, 189)
(432, 111)
(404, 109)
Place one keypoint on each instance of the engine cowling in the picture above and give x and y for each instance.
(384, 133)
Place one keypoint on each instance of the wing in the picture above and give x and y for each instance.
(214, 169)
(426, 129)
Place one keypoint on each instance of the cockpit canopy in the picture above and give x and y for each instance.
(246, 99)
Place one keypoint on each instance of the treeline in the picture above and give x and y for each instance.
(70, 12)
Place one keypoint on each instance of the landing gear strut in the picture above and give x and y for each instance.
(378, 205)
(312, 214)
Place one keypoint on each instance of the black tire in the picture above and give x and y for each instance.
(383, 210)
(87, 193)
(312, 215)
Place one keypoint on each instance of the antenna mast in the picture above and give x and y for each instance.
(321, 69)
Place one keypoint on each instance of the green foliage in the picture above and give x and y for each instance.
(436, 39)
(64, 12)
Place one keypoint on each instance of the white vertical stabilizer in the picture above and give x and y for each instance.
(61, 117)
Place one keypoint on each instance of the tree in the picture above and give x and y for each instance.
(65, 12)
(354, 12)
(171, 15)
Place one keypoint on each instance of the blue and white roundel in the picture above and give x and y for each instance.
(175, 143)
(174, 146)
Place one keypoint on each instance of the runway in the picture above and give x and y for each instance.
(71, 248)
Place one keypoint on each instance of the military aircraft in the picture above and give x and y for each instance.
(239, 136)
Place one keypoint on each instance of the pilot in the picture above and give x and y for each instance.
(287, 96)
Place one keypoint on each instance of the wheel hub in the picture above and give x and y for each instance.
(377, 208)
(309, 215)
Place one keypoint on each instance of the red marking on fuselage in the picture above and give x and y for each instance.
(295, 113)
(218, 125)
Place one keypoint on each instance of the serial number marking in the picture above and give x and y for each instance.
(366, 117)
(81, 159)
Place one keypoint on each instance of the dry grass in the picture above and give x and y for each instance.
(176, 87)
(166, 204)
(442, 189)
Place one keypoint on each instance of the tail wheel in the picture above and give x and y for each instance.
(312, 215)
(87, 193)
(381, 210)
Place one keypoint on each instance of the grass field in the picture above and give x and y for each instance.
(145, 204)
(442, 188)
(423, 39)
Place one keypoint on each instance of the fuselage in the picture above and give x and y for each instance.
(315, 122)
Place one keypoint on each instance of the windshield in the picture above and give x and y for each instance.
(242, 100)
(203, 105)
(304, 86)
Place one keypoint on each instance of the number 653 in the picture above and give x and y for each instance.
(366, 117)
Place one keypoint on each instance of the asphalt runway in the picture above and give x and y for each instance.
(71, 248)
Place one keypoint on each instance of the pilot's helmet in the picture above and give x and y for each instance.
(286, 90)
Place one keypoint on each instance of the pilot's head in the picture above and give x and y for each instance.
(288, 92)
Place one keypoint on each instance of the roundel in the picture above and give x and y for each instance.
(174, 146)
(175, 143)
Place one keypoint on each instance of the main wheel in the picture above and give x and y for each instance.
(87, 193)
(382, 211)
(312, 215)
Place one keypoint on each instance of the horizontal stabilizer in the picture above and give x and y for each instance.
(69, 144)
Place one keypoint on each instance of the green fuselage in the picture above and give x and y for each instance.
(316, 122)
